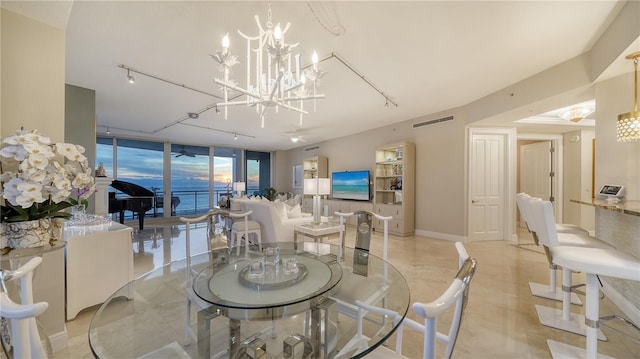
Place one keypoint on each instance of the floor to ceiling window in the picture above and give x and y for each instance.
(196, 181)
(258, 172)
(189, 179)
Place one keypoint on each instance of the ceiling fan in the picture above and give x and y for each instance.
(297, 135)
(183, 152)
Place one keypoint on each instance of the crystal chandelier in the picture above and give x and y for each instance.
(275, 78)
(629, 123)
(577, 114)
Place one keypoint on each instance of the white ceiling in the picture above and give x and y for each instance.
(428, 56)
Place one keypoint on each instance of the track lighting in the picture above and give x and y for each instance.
(235, 136)
(131, 79)
(108, 131)
(386, 103)
(193, 115)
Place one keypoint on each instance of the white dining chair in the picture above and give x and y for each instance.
(202, 307)
(356, 283)
(456, 295)
(26, 341)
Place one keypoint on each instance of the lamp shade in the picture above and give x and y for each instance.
(239, 186)
(317, 186)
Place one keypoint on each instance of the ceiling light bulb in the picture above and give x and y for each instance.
(108, 131)
(235, 136)
(294, 139)
(225, 41)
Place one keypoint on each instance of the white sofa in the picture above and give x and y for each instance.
(274, 228)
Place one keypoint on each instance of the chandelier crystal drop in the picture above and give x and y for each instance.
(629, 123)
(274, 77)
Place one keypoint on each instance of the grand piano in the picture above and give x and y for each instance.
(139, 200)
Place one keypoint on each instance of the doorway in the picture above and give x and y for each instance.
(491, 188)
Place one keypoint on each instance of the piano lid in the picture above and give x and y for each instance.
(131, 189)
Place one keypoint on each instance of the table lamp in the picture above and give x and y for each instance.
(239, 188)
(317, 187)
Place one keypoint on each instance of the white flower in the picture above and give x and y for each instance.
(70, 151)
(30, 193)
(32, 174)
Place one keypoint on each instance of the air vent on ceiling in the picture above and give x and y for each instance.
(431, 122)
(312, 148)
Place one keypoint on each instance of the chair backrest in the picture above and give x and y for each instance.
(200, 219)
(25, 338)
(363, 230)
(544, 222)
(456, 294)
(521, 202)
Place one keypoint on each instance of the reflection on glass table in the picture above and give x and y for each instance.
(286, 312)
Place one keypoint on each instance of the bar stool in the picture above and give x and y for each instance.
(593, 262)
(543, 224)
(582, 238)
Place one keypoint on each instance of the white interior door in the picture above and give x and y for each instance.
(535, 169)
(487, 187)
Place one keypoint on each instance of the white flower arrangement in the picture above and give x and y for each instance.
(35, 183)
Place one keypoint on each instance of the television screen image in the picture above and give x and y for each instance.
(350, 185)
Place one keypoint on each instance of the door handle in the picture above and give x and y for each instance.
(475, 200)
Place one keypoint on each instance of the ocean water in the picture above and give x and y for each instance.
(351, 191)
(193, 194)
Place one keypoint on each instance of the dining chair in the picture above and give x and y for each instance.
(456, 294)
(26, 340)
(569, 235)
(593, 262)
(355, 281)
(202, 307)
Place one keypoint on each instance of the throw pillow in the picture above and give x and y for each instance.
(295, 212)
(281, 209)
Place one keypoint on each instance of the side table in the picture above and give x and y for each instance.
(316, 231)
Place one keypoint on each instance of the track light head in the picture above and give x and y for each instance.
(130, 78)
(193, 115)
(235, 136)
(108, 131)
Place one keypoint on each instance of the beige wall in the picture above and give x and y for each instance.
(616, 162)
(33, 73)
(32, 96)
(577, 178)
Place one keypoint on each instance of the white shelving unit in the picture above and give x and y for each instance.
(315, 167)
(394, 187)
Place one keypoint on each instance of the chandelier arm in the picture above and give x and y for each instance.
(303, 98)
(276, 86)
(235, 88)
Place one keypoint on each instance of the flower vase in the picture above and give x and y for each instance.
(27, 234)
(78, 213)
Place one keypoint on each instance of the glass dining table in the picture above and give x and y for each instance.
(282, 302)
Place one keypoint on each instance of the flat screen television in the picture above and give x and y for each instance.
(353, 185)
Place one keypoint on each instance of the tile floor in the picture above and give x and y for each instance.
(500, 321)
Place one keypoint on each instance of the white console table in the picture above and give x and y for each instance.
(99, 261)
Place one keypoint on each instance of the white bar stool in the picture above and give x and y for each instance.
(543, 223)
(565, 233)
(593, 262)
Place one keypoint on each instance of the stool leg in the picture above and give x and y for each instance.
(592, 313)
(566, 298)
